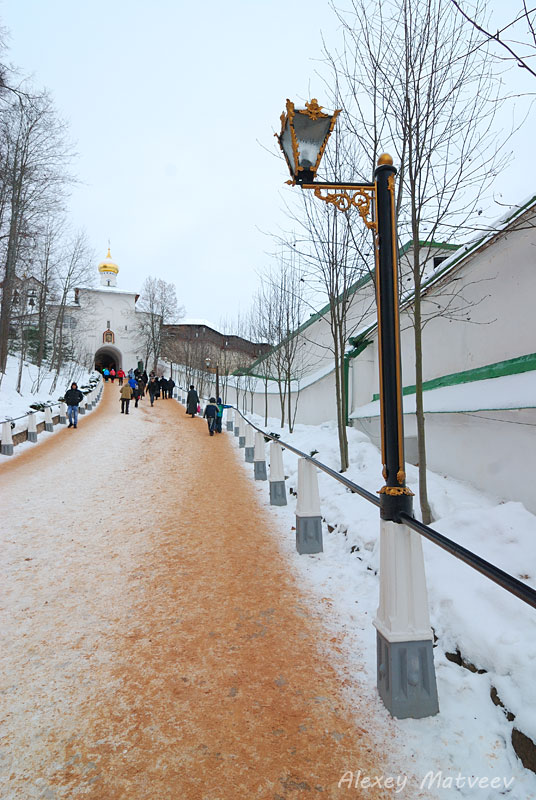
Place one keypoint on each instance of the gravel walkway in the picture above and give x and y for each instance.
(155, 645)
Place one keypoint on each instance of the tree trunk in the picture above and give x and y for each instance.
(419, 410)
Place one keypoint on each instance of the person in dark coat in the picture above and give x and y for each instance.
(171, 386)
(192, 401)
(164, 387)
(136, 393)
(73, 398)
(211, 415)
(154, 389)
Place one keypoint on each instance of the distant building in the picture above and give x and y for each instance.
(107, 322)
(190, 344)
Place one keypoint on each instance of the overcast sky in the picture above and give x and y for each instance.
(173, 106)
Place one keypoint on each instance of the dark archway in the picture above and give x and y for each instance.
(108, 356)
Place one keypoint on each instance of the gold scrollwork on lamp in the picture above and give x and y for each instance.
(396, 491)
(314, 111)
(346, 198)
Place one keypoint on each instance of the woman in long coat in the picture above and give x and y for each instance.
(192, 401)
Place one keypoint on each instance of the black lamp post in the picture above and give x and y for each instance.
(406, 678)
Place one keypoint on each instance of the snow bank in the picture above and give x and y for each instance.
(471, 737)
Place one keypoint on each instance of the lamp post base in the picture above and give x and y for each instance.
(278, 494)
(406, 677)
(309, 535)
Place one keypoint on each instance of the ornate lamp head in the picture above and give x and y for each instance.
(303, 138)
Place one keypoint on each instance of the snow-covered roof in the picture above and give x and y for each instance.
(492, 394)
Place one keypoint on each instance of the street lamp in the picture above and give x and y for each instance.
(217, 368)
(406, 677)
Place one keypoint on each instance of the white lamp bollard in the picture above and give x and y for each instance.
(63, 414)
(236, 423)
(259, 458)
(242, 432)
(406, 675)
(49, 424)
(7, 439)
(278, 493)
(32, 428)
(229, 418)
(308, 516)
(89, 401)
(82, 406)
(249, 450)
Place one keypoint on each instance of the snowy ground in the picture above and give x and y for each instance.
(466, 750)
(16, 405)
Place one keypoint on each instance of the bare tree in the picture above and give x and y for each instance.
(516, 39)
(32, 182)
(74, 269)
(420, 86)
(159, 303)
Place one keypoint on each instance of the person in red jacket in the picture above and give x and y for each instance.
(112, 374)
(120, 376)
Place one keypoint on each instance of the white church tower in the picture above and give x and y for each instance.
(108, 325)
(108, 271)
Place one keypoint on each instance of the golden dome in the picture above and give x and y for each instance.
(108, 265)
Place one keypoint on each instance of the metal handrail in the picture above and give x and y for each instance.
(516, 587)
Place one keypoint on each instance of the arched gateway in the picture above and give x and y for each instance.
(108, 356)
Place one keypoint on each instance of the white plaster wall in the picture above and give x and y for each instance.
(495, 288)
(491, 450)
(97, 307)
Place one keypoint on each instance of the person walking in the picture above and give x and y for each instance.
(192, 401)
(136, 393)
(219, 418)
(106, 373)
(120, 376)
(125, 397)
(73, 398)
(164, 387)
(211, 414)
(171, 386)
(153, 389)
(112, 374)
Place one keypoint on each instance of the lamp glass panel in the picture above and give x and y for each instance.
(286, 144)
(310, 134)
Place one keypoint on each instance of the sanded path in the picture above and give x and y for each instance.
(155, 645)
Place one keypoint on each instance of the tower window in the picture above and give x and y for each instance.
(108, 324)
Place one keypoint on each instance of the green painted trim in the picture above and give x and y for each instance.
(498, 370)
(440, 245)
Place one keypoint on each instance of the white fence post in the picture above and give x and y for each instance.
(249, 450)
(259, 458)
(308, 516)
(49, 424)
(63, 414)
(278, 494)
(7, 439)
(236, 423)
(229, 418)
(32, 428)
(82, 406)
(242, 432)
